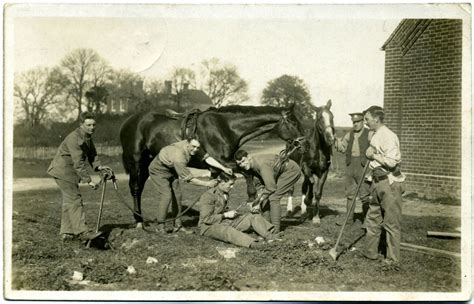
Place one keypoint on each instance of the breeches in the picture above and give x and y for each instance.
(285, 183)
(72, 216)
(385, 210)
(353, 175)
(162, 179)
(232, 231)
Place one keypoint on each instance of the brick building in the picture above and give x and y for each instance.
(422, 100)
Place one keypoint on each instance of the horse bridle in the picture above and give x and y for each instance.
(298, 142)
(320, 128)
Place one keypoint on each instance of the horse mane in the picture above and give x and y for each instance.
(236, 109)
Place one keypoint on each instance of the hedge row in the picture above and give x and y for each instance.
(108, 126)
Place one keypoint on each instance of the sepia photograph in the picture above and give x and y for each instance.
(246, 152)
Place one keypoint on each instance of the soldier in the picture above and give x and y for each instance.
(69, 167)
(385, 209)
(272, 183)
(217, 222)
(354, 144)
(170, 164)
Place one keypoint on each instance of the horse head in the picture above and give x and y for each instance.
(324, 122)
(289, 126)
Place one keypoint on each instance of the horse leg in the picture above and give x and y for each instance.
(308, 184)
(138, 176)
(317, 197)
(306, 190)
(289, 206)
(304, 194)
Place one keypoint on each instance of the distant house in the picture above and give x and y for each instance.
(422, 100)
(126, 98)
(187, 99)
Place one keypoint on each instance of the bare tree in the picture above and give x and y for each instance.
(37, 91)
(182, 77)
(222, 83)
(83, 68)
(126, 86)
(153, 87)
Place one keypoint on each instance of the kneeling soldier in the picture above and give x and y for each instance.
(274, 180)
(229, 226)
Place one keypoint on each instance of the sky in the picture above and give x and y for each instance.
(337, 55)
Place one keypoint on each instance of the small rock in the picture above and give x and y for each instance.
(131, 270)
(353, 249)
(151, 260)
(320, 240)
(77, 276)
(227, 253)
(310, 244)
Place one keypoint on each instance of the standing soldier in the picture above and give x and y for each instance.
(385, 209)
(219, 223)
(354, 144)
(170, 164)
(69, 167)
(273, 182)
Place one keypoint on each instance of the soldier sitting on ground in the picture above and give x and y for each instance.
(216, 222)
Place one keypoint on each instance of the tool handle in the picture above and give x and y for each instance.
(352, 203)
(104, 184)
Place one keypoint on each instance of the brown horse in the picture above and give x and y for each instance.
(221, 131)
(315, 161)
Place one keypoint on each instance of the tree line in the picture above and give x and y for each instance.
(83, 80)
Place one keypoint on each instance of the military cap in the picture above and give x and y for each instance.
(355, 117)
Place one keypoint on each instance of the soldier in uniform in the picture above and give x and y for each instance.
(385, 209)
(354, 144)
(217, 222)
(69, 167)
(170, 164)
(272, 182)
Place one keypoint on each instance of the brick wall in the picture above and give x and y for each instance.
(423, 105)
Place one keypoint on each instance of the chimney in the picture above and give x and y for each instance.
(185, 86)
(168, 84)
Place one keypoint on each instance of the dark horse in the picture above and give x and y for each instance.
(221, 131)
(315, 160)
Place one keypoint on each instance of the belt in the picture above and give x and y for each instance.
(377, 179)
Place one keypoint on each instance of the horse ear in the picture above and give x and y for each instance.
(329, 104)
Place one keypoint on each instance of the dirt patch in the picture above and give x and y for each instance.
(192, 262)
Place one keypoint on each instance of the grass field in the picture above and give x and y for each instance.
(192, 262)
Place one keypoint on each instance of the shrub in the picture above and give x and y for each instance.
(106, 133)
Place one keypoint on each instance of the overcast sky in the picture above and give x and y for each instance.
(337, 55)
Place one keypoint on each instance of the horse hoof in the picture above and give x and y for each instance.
(316, 221)
(139, 226)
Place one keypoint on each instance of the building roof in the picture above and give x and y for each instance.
(196, 97)
(406, 34)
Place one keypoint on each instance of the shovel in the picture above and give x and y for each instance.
(102, 197)
(333, 251)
